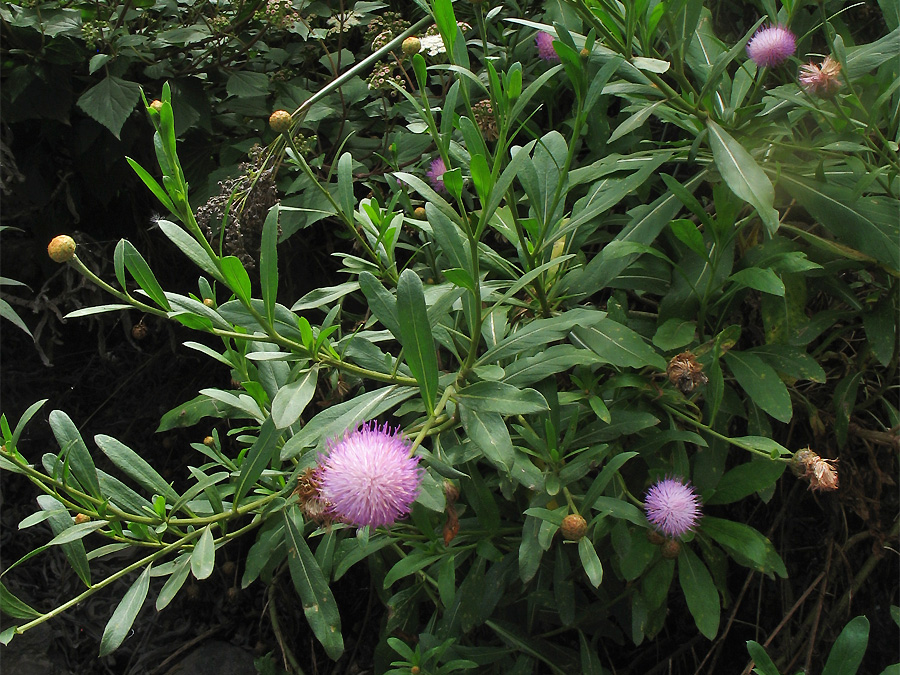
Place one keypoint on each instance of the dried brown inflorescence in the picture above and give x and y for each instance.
(311, 503)
(685, 372)
(821, 473)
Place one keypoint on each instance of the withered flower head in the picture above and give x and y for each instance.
(312, 504)
(685, 372)
(821, 473)
(821, 80)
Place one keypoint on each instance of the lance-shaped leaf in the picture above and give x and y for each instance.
(126, 612)
(415, 331)
(743, 175)
(318, 602)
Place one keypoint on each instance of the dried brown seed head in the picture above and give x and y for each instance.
(685, 372)
(821, 473)
(671, 548)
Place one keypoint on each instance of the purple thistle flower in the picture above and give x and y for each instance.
(368, 477)
(672, 507)
(544, 42)
(436, 175)
(771, 46)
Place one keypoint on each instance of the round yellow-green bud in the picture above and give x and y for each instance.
(573, 527)
(671, 548)
(584, 53)
(156, 104)
(280, 121)
(209, 302)
(209, 441)
(81, 518)
(62, 248)
(411, 45)
(419, 213)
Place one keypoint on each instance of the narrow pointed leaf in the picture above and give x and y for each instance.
(292, 399)
(268, 263)
(126, 612)
(318, 603)
(415, 331)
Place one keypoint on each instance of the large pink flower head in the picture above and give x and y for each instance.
(436, 175)
(544, 42)
(771, 46)
(672, 507)
(368, 477)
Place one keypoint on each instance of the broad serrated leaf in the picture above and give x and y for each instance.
(110, 102)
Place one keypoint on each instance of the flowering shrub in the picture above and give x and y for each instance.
(633, 263)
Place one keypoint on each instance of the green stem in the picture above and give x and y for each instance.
(733, 441)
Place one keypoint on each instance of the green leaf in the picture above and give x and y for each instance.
(268, 263)
(690, 235)
(236, 277)
(142, 274)
(764, 664)
(318, 603)
(481, 177)
(292, 399)
(381, 302)
(743, 175)
(203, 557)
(75, 452)
(764, 280)
(849, 648)
(446, 22)
(76, 532)
(501, 398)
(761, 383)
(190, 248)
(674, 333)
(590, 561)
(60, 520)
(244, 83)
(488, 432)
(618, 345)
(634, 121)
(15, 608)
(699, 592)
(8, 313)
(345, 184)
(792, 361)
(845, 394)
(126, 612)
(151, 183)
(745, 543)
(416, 337)
(110, 102)
(174, 582)
(189, 413)
(745, 479)
(257, 459)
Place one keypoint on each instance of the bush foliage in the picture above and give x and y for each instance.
(566, 270)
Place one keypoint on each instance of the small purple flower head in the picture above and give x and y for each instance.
(672, 507)
(436, 175)
(544, 42)
(368, 477)
(771, 46)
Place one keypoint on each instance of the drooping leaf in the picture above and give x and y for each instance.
(699, 591)
(126, 612)
(318, 603)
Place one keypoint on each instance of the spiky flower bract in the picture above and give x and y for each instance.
(368, 477)
(436, 175)
(672, 507)
(771, 46)
(544, 42)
